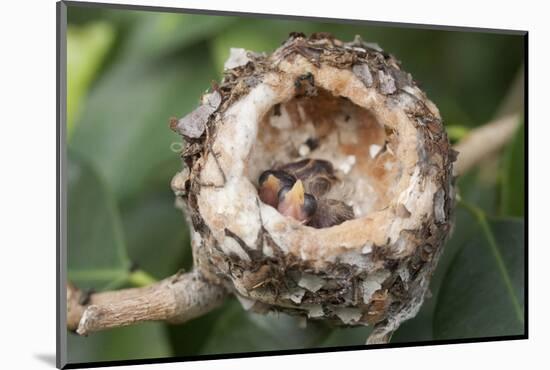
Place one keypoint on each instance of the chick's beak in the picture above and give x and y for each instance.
(291, 203)
(269, 190)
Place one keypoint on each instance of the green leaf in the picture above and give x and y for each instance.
(456, 132)
(97, 259)
(189, 338)
(419, 328)
(124, 128)
(121, 18)
(143, 341)
(240, 331)
(482, 294)
(95, 247)
(513, 177)
(156, 234)
(352, 336)
(87, 47)
(162, 33)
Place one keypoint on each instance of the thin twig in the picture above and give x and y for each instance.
(176, 299)
(483, 141)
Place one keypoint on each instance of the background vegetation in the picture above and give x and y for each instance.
(129, 71)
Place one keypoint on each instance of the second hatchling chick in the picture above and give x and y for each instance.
(330, 212)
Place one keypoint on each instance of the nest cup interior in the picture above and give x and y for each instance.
(324, 126)
(367, 136)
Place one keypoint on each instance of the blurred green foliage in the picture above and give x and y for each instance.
(129, 71)
(513, 176)
(495, 306)
(93, 221)
(86, 48)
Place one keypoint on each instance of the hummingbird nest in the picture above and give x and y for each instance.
(318, 98)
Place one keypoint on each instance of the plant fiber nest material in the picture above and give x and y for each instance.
(388, 146)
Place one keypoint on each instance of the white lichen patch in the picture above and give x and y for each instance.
(374, 46)
(311, 282)
(387, 83)
(373, 282)
(362, 71)
(237, 57)
(402, 246)
(357, 258)
(348, 315)
(213, 100)
(414, 91)
(314, 310)
(417, 199)
(439, 205)
(295, 295)
(403, 272)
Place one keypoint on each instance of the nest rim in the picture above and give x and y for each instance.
(316, 245)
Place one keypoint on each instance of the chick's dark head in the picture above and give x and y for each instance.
(316, 174)
(295, 203)
(271, 182)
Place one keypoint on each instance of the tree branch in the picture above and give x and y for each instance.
(176, 299)
(483, 141)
